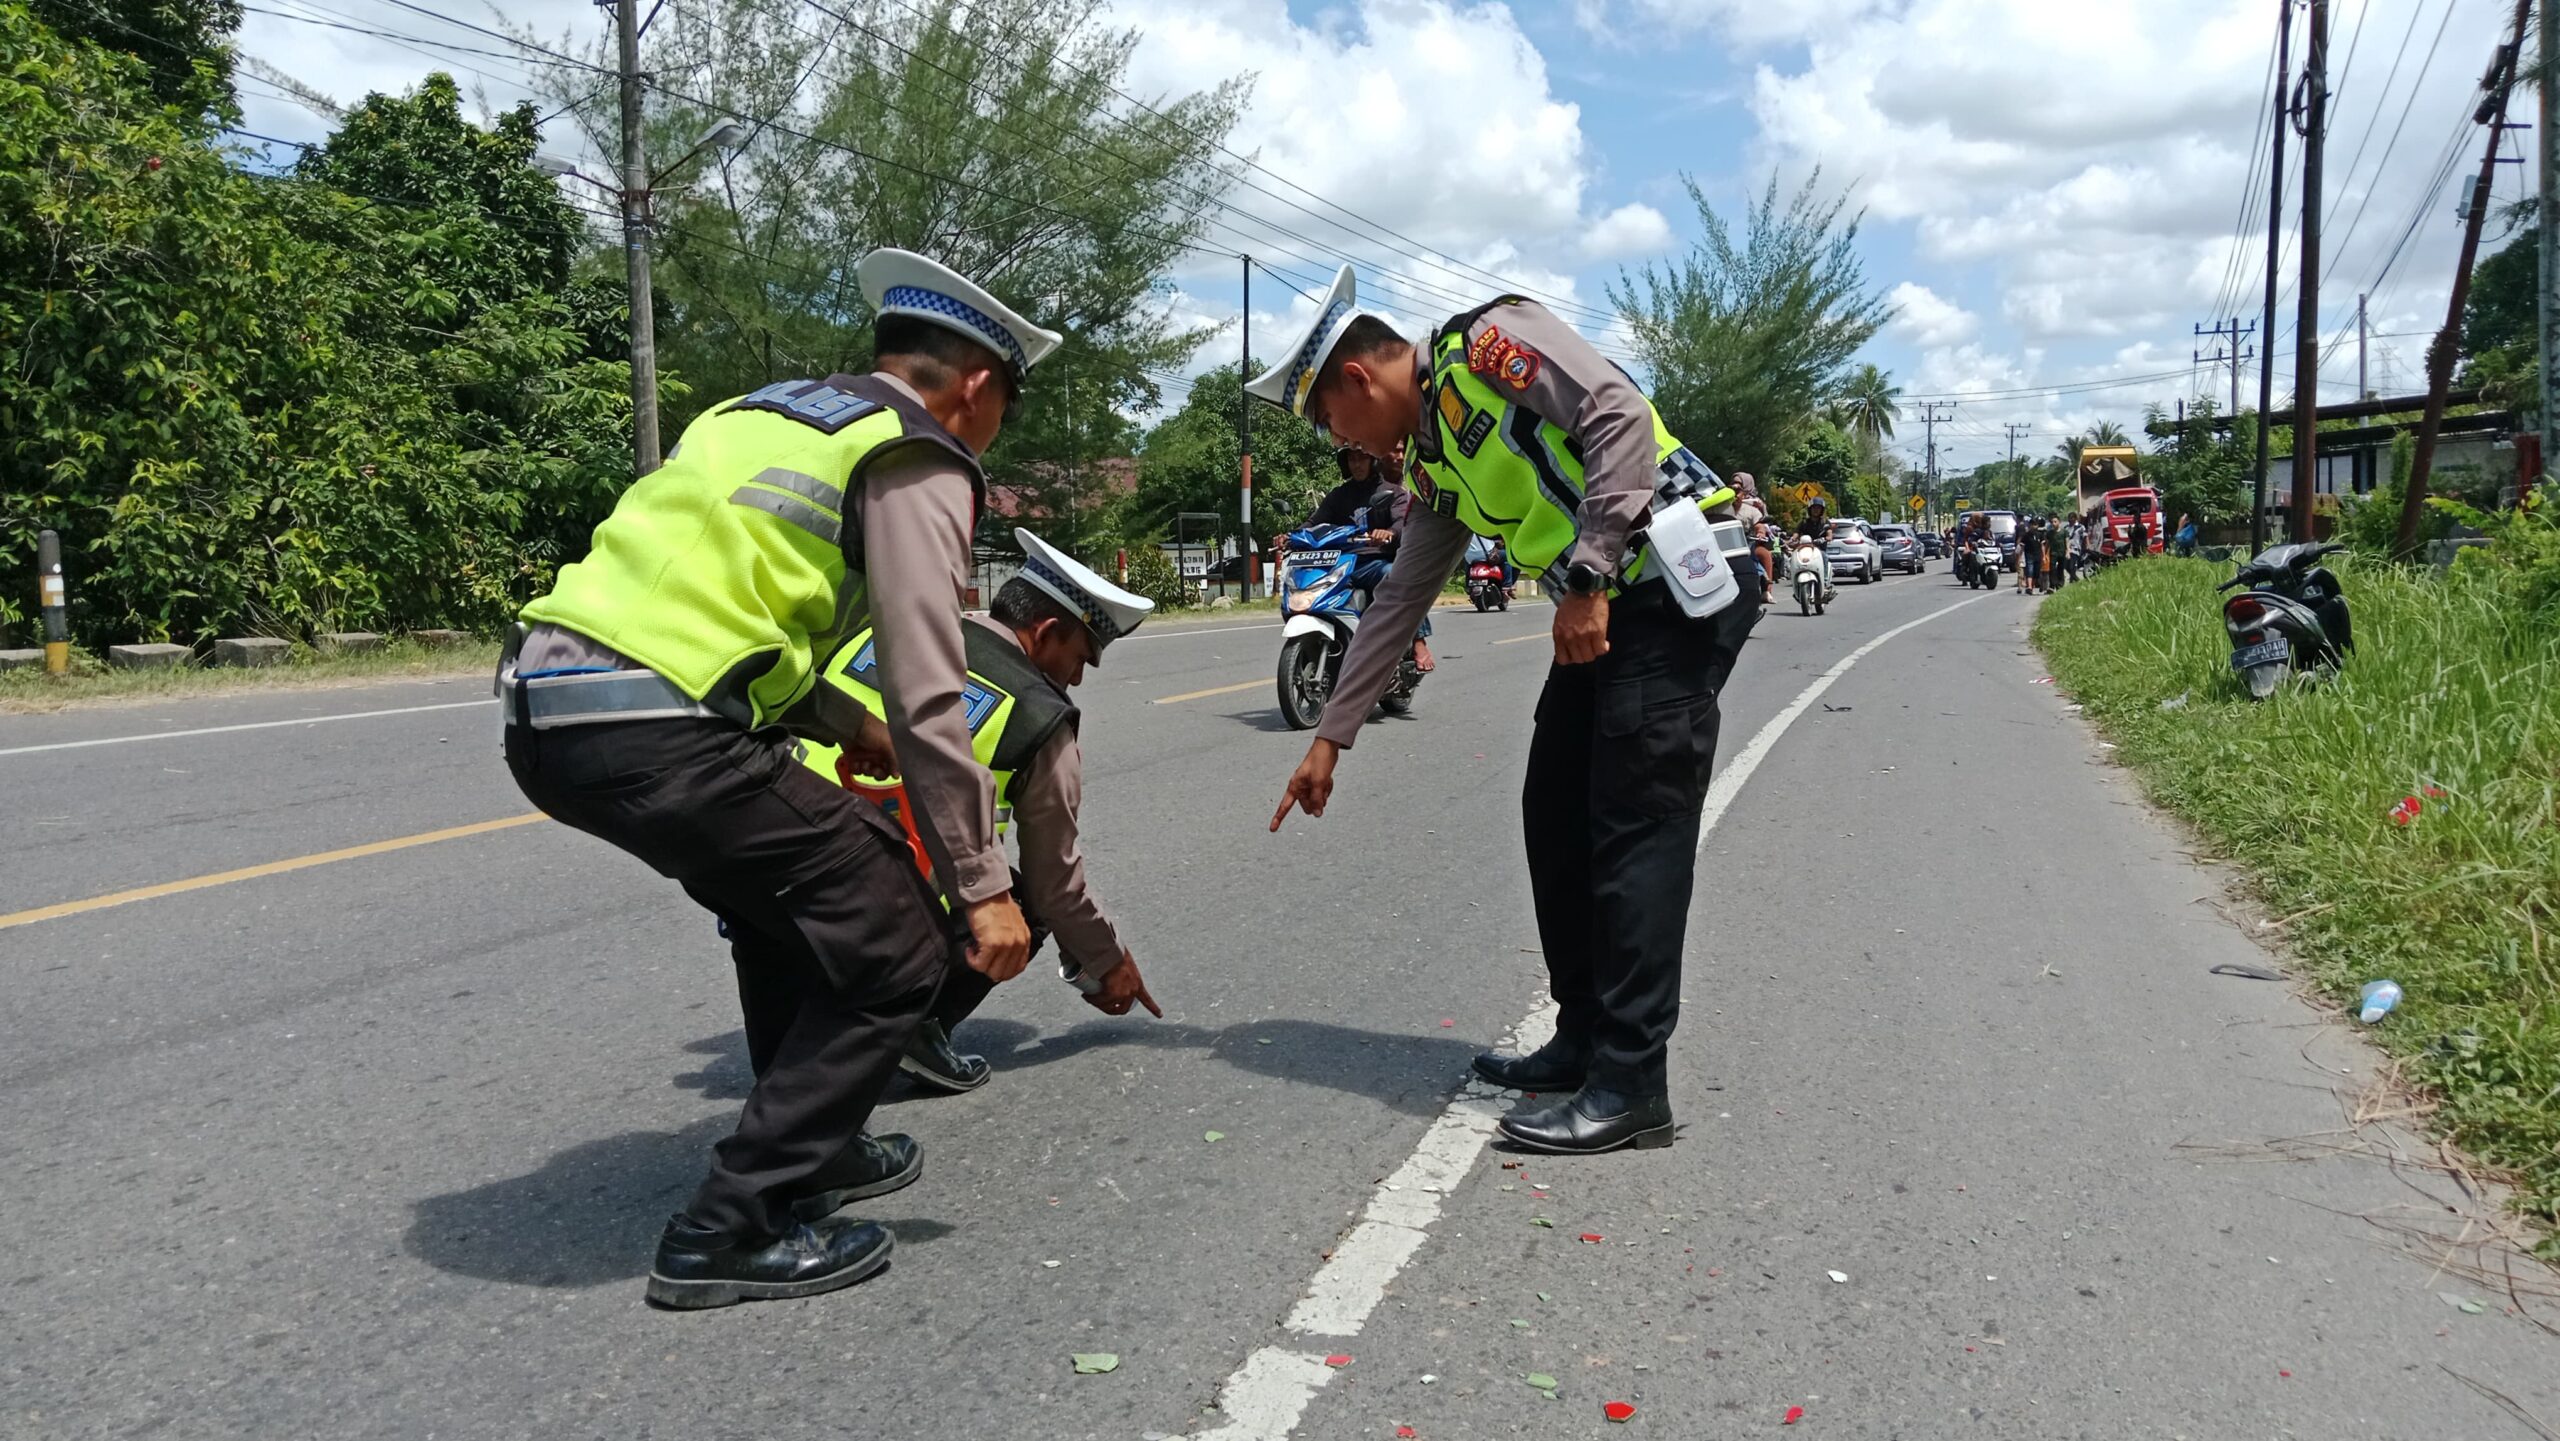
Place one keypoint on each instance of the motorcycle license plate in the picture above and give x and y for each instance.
(2273, 650)
(1314, 557)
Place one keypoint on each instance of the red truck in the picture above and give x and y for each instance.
(2113, 500)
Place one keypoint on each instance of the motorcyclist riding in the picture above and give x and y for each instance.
(1816, 529)
(1371, 498)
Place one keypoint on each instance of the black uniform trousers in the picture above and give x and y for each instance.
(849, 945)
(770, 1005)
(1617, 779)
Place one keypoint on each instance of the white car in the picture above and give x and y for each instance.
(1854, 550)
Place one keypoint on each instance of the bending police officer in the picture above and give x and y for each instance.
(648, 707)
(1045, 626)
(1515, 427)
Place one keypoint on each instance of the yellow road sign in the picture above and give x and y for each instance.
(1964, 503)
(1808, 492)
(1919, 502)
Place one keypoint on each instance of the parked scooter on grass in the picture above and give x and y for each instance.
(2292, 616)
(1323, 611)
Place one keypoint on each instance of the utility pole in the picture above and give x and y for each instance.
(1244, 439)
(2550, 215)
(2235, 356)
(2362, 393)
(635, 248)
(2275, 232)
(2313, 101)
(1930, 420)
(2499, 84)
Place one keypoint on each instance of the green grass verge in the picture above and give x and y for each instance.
(2450, 686)
(90, 680)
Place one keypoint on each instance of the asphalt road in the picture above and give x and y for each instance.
(378, 1146)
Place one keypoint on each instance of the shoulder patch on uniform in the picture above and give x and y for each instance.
(810, 403)
(1497, 356)
(1471, 439)
(1446, 503)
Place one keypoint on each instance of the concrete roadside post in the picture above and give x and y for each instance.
(55, 602)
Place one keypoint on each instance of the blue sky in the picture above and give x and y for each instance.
(2056, 193)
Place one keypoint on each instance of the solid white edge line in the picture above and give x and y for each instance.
(1265, 1396)
(246, 726)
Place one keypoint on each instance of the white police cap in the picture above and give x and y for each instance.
(1108, 612)
(1288, 383)
(901, 282)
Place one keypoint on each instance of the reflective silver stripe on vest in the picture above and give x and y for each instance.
(794, 512)
(807, 487)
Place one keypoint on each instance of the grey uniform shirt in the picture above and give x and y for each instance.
(1047, 793)
(915, 509)
(1575, 388)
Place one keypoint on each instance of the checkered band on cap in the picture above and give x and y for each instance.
(916, 297)
(1096, 619)
(1682, 475)
(1302, 376)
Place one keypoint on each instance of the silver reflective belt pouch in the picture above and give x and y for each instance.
(1692, 556)
(547, 702)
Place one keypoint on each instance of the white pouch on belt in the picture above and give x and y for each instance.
(1689, 554)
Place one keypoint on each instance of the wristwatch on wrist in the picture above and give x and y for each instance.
(1584, 578)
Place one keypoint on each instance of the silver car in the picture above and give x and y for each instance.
(1902, 548)
(1854, 550)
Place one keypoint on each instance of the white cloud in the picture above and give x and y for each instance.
(1642, 22)
(1930, 319)
(1631, 229)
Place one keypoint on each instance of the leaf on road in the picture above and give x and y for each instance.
(1543, 1296)
(1542, 1221)
(1095, 1363)
(1213, 1136)
(1516, 1321)
(1541, 1380)
(1619, 1411)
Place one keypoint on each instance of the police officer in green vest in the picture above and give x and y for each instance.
(1043, 628)
(654, 701)
(1514, 427)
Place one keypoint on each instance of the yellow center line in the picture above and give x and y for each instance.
(270, 868)
(1205, 694)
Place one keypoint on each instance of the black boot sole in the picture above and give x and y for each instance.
(1656, 1139)
(942, 1081)
(675, 1295)
(819, 1205)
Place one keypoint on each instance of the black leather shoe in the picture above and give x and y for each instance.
(871, 1166)
(1545, 1069)
(698, 1267)
(1593, 1121)
(930, 1059)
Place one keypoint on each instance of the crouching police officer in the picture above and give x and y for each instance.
(648, 707)
(1046, 625)
(1514, 427)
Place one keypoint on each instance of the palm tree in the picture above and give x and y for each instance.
(1866, 405)
(2105, 432)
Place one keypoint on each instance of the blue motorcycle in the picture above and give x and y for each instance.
(1325, 581)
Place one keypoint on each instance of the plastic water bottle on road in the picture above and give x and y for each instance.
(2378, 999)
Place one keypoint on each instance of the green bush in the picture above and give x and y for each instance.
(1153, 574)
(2455, 682)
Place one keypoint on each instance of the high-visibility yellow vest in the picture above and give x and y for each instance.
(726, 569)
(1502, 469)
(1013, 708)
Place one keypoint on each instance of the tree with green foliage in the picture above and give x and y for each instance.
(1190, 462)
(183, 46)
(1746, 338)
(996, 144)
(1822, 455)
(1866, 405)
(2197, 472)
(2501, 354)
(247, 401)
